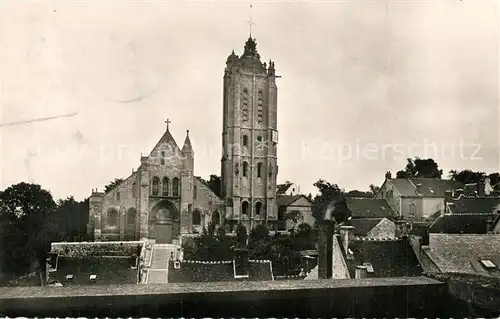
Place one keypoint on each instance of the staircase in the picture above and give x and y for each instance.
(158, 272)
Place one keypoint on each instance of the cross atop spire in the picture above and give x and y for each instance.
(250, 22)
(168, 123)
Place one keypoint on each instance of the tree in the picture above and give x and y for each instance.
(113, 184)
(295, 216)
(469, 176)
(374, 189)
(241, 236)
(421, 168)
(25, 211)
(71, 218)
(304, 238)
(214, 183)
(259, 242)
(330, 203)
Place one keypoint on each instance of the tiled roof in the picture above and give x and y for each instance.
(286, 200)
(389, 258)
(369, 208)
(197, 271)
(427, 187)
(362, 226)
(476, 205)
(462, 253)
(108, 271)
(282, 188)
(461, 223)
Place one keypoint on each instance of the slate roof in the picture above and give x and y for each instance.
(195, 271)
(369, 208)
(461, 223)
(466, 204)
(429, 187)
(389, 258)
(462, 253)
(282, 188)
(362, 226)
(108, 270)
(286, 200)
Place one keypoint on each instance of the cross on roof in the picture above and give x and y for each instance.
(168, 122)
(250, 24)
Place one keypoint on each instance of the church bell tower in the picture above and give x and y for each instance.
(249, 139)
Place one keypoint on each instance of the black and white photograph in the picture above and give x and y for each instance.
(224, 159)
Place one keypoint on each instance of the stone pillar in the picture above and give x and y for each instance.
(144, 199)
(94, 224)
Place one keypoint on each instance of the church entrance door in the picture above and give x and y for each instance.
(164, 232)
(165, 218)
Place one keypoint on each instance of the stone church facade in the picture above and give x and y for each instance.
(163, 199)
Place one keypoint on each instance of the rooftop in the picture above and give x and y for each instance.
(461, 223)
(369, 208)
(426, 187)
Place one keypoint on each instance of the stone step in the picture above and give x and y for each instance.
(157, 276)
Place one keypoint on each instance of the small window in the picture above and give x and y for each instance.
(69, 277)
(93, 277)
(259, 169)
(488, 263)
(259, 138)
(195, 192)
(117, 195)
(177, 265)
(162, 159)
(245, 140)
(245, 169)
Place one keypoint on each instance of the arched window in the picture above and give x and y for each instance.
(175, 187)
(134, 190)
(131, 216)
(156, 186)
(245, 169)
(244, 208)
(164, 189)
(258, 208)
(113, 217)
(197, 218)
(245, 140)
(259, 169)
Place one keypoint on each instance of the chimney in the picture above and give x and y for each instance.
(388, 175)
(361, 272)
(401, 228)
(325, 246)
(346, 234)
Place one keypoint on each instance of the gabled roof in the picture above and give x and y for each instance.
(362, 226)
(369, 208)
(462, 253)
(169, 139)
(461, 223)
(206, 271)
(389, 258)
(282, 188)
(426, 187)
(287, 200)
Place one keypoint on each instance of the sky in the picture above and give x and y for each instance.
(364, 85)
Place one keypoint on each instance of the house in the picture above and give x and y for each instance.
(344, 255)
(290, 207)
(95, 263)
(466, 214)
(477, 254)
(239, 269)
(287, 188)
(415, 199)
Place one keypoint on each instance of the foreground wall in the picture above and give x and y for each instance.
(381, 297)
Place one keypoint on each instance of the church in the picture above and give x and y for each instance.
(162, 199)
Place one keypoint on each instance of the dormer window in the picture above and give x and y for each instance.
(177, 264)
(69, 277)
(488, 264)
(93, 277)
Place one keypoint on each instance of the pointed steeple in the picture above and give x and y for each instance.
(187, 148)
